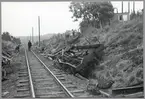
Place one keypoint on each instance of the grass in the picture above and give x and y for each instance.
(126, 66)
(124, 52)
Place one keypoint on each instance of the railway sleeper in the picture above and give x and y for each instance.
(50, 93)
(23, 81)
(41, 80)
(51, 96)
(127, 90)
(46, 85)
(23, 72)
(24, 69)
(23, 89)
(23, 85)
(67, 82)
(62, 78)
(47, 90)
(38, 77)
(22, 75)
(23, 92)
(22, 78)
(23, 96)
(50, 87)
(61, 75)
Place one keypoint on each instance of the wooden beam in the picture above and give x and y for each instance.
(135, 95)
(6, 58)
(87, 46)
(67, 63)
(134, 6)
(127, 90)
(122, 6)
(129, 7)
(6, 54)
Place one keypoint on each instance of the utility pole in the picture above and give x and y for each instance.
(128, 10)
(39, 28)
(128, 6)
(133, 6)
(32, 36)
(122, 6)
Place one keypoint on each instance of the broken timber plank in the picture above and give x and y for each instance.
(127, 90)
(5, 57)
(59, 50)
(6, 54)
(137, 95)
(67, 63)
(72, 58)
(87, 46)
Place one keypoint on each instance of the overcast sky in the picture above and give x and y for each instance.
(18, 18)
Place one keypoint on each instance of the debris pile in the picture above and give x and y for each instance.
(73, 57)
(114, 56)
(8, 51)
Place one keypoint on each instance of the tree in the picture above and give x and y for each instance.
(6, 36)
(92, 13)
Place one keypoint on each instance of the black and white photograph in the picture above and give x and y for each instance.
(72, 49)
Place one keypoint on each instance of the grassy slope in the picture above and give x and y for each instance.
(123, 60)
(124, 56)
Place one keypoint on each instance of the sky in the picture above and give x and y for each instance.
(18, 18)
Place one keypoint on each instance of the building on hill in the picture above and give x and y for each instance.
(122, 16)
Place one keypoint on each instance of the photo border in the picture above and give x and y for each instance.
(62, 1)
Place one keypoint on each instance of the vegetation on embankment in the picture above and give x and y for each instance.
(9, 44)
(122, 63)
(123, 60)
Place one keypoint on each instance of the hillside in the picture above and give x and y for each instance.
(123, 61)
(122, 58)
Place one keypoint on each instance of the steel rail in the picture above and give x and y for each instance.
(57, 80)
(30, 76)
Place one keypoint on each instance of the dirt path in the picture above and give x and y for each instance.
(9, 86)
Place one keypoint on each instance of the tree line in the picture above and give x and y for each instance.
(96, 14)
(7, 37)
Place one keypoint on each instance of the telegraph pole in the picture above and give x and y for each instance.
(39, 28)
(122, 6)
(134, 6)
(128, 10)
(32, 35)
(128, 6)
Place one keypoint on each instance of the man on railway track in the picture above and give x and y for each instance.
(29, 45)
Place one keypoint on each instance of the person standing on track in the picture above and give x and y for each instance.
(29, 45)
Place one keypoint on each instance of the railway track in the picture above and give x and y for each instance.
(134, 91)
(37, 80)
